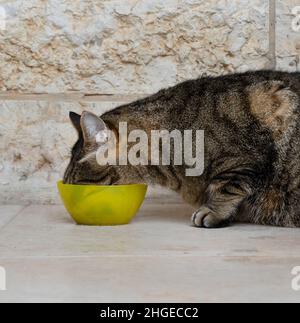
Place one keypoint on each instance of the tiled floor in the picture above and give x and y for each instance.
(157, 258)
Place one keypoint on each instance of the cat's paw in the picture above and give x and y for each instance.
(206, 218)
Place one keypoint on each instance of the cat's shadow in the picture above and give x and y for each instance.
(165, 212)
(152, 211)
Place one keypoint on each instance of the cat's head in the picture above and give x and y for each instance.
(83, 167)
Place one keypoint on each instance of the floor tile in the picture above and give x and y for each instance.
(150, 279)
(48, 231)
(8, 212)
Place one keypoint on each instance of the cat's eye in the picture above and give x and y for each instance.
(230, 189)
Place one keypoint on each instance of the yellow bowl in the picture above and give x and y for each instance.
(102, 205)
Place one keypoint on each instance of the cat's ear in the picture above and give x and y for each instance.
(93, 128)
(75, 119)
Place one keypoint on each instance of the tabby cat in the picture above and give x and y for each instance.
(252, 146)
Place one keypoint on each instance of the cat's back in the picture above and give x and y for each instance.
(237, 81)
(245, 112)
(271, 98)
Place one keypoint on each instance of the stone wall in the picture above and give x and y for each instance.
(287, 39)
(61, 55)
(132, 46)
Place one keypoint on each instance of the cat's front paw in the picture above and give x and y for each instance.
(206, 218)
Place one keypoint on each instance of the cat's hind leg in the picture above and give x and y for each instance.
(274, 206)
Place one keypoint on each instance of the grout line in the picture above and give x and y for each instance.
(272, 34)
(13, 218)
(70, 97)
(167, 256)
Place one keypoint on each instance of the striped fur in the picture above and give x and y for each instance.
(252, 147)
